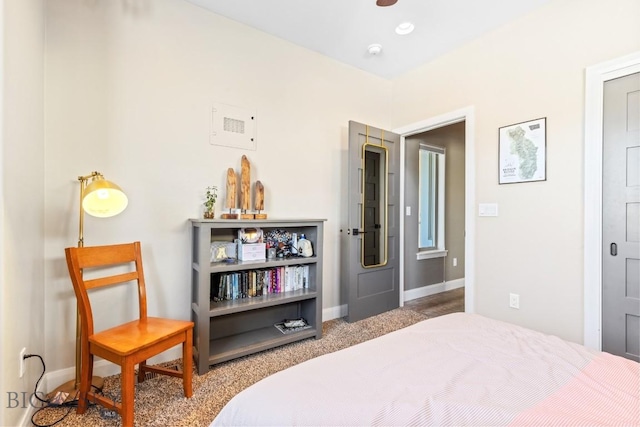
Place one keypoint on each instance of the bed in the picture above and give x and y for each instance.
(454, 370)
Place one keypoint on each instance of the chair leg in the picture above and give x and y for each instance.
(86, 373)
(127, 391)
(141, 371)
(187, 362)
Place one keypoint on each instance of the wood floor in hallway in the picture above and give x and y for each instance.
(439, 304)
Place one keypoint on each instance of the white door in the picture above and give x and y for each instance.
(370, 269)
(621, 218)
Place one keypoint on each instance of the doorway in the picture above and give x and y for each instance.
(467, 116)
(434, 211)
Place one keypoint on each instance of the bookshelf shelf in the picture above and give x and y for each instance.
(252, 265)
(228, 348)
(229, 329)
(223, 308)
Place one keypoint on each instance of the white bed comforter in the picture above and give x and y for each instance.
(459, 369)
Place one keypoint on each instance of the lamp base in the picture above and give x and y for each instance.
(73, 389)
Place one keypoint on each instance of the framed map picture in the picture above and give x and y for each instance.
(523, 152)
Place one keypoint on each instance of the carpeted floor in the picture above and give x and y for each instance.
(160, 401)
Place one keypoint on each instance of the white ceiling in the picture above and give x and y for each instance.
(343, 29)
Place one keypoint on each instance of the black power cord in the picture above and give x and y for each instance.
(47, 403)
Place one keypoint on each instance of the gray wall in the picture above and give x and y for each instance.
(432, 271)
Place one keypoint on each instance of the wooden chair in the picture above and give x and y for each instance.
(128, 344)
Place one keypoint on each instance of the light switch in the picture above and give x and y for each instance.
(408, 211)
(488, 209)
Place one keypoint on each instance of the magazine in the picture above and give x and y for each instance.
(290, 326)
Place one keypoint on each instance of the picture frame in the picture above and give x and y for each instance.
(522, 152)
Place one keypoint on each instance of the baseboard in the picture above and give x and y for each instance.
(425, 291)
(334, 312)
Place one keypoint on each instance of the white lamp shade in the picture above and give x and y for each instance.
(103, 198)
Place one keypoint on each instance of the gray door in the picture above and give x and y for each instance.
(370, 244)
(621, 218)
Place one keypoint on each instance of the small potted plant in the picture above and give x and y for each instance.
(210, 202)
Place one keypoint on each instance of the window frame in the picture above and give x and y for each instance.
(438, 214)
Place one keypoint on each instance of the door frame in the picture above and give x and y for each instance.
(467, 115)
(596, 76)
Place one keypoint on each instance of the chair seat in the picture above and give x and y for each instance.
(131, 337)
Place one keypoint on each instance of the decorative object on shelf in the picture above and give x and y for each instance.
(271, 253)
(280, 241)
(286, 244)
(277, 235)
(231, 195)
(102, 199)
(258, 204)
(210, 202)
(251, 235)
(522, 148)
(223, 251)
(245, 187)
(244, 194)
(304, 246)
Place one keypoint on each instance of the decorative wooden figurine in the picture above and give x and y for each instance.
(259, 200)
(231, 195)
(245, 188)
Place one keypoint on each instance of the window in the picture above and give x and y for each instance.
(431, 202)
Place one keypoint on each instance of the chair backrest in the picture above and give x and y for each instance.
(99, 258)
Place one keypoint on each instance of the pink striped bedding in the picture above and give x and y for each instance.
(586, 399)
(454, 370)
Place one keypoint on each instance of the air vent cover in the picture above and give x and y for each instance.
(233, 126)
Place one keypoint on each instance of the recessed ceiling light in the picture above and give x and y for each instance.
(405, 28)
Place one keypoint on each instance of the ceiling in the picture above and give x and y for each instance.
(344, 29)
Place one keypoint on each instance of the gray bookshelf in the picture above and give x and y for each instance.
(225, 330)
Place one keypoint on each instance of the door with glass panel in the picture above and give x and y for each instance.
(370, 234)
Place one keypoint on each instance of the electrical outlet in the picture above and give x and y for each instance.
(514, 300)
(22, 353)
(455, 262)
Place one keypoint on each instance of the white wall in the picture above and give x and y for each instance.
(22, 199)
(533, 67)
(129, 88)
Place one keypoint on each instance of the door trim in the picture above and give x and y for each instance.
(467, 115)
(596, 75)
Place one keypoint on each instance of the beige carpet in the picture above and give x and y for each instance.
(160, 401)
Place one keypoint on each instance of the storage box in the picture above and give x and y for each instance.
(251, 251)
